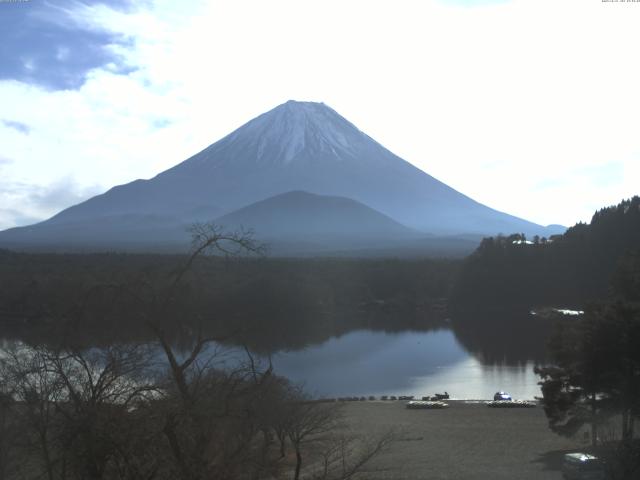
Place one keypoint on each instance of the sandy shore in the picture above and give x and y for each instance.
(466, 441)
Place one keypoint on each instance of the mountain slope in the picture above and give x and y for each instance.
(303, 146)
(129, 231)
(301, 223)
(301, 214)
(297, 146)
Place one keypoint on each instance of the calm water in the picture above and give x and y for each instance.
(406, 363)
(365, 362)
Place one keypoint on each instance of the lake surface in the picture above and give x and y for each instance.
(377, 363)
(467, 364)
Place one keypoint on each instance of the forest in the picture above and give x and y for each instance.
(87, 399)
(269, 304)
(111, 366)
(568, 270)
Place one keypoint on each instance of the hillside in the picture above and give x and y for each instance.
(297, 146)
(572, 269)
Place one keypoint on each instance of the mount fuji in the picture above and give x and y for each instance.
(339, 180)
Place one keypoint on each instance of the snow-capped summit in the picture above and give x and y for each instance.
(297, 146)
(296, 126)
(293, 131)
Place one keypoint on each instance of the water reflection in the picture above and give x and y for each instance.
(504, 337)
(406, 363)
(472, 379)
(366, 354)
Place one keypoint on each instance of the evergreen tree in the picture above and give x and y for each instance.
(595, 372)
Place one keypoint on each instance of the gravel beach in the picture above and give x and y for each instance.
(465, 441)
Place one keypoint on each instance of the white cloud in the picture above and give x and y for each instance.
(496, 101)
(17, 126)
(22, 203)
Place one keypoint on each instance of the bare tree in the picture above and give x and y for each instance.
(76, 405)
(346, 455)
(308, 422)
(25, 372)
(7, 426)
(119, 412)
(222, 422)
(319, 432)
(100, 388)
(208, 411)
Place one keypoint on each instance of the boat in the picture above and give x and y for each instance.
(426, 405)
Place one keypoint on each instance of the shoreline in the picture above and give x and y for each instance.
(368, 399)
(468, 441)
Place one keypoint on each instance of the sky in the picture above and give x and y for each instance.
(528, 106)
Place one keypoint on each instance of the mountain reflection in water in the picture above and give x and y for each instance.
(377, 355)
(405, 363)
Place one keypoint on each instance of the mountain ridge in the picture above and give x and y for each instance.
(297, 146)
(300, 213)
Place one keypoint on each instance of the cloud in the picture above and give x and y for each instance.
(60, 194)
(10, 218)
(161, 123)
(604, 175)
(506, 104)
(18, 126)
(38, 202)
(49, 44)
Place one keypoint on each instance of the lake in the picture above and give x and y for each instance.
(468, 363)
(419, 363)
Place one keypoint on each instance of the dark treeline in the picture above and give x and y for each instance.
(592, 379)
(509, 276)
(567, 270)
(590, 373)
(73, 408)
(268, 304)
(86, 396)
(591, 376)
(273, 304)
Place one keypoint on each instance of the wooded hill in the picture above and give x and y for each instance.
(268, 304)
(566, 270)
